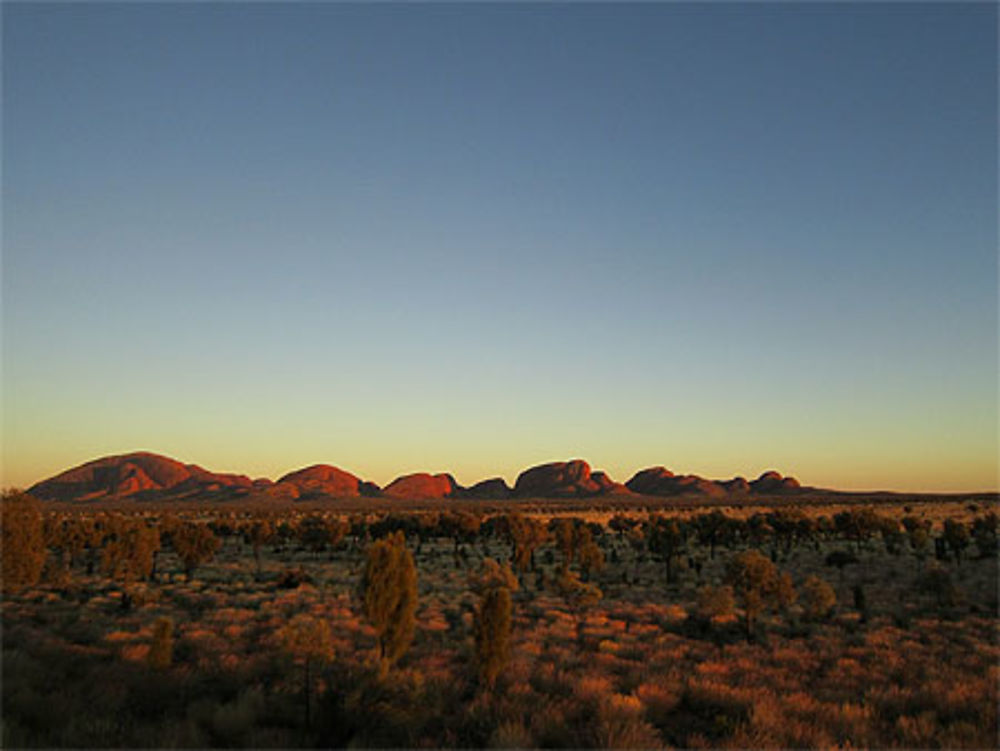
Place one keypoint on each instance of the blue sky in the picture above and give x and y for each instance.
(474, 238)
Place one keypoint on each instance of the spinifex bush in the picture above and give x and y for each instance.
(389, 595)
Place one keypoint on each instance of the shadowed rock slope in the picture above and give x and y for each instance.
(322, 480)
(572, 479)
(661, 481)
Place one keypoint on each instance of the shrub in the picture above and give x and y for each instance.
(293, 578)
(579, 593)
(492, 574)
(840, 558)
(714, 602)
(619, 724)
(511, 734)
(937, 582)
(161, 650)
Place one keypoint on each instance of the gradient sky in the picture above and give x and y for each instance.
(471, 238)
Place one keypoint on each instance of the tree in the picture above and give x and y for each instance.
(71, 537)
(337, 527)
(620, 524)
(588, 552)
(389, 596)
(128, 550)
(785, 524)
(818, 598)
(526, 536)
(23, 540)
(892, 535)
(260, 533)
(956, 535)
(565, 539)
(840, 558)
(856, 525)
(195, 544)
(461, 526)
(711, 530)
(919, 532)
(984, 532)
(758, 584)
(161, 650)
(314, 533)
(492, 632)
(666, 540)
(307, 640)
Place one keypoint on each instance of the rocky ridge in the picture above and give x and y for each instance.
(148, 476)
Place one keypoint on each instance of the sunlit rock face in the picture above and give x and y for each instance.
(422, 485)
(134, 474)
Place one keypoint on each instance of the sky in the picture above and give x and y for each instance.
(723, 238)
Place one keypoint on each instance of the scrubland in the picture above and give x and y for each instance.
(622, 632)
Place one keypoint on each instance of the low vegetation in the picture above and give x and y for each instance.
(781, 628)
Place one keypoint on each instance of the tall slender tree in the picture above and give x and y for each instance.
(389, 596)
